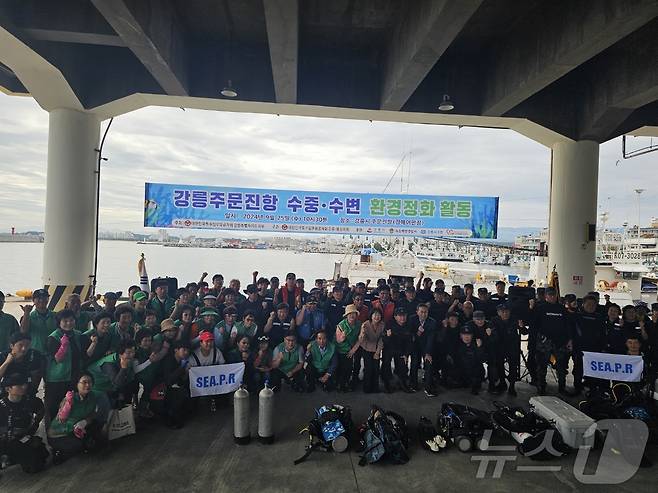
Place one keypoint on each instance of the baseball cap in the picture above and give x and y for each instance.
(502, 306)
(14, 379)
(40, 293)
(111, 295)
(479, 314)
(400, 311)
(466, 330)
(210, 297)
(206, 336)
(139, 296)
(251, 288)
(208, 311)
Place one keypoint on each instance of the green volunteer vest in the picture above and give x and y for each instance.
(79, 411)
(290, 359)
(102, 382)
(61, 372)
(242, 330)
(351, 335)
(321, 361)
(162, 310)
(41, 326)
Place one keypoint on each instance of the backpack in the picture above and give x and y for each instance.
(330, 429)
(530, 431)
(384, 435)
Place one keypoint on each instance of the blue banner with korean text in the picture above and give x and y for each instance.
(295, 211)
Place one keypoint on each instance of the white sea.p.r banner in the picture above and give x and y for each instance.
(216, 379)
(619, 367)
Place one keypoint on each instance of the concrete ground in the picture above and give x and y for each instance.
(202, 457)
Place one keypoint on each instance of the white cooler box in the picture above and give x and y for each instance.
(569, 421)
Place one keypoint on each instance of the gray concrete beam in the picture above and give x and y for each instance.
(419, 40)
(282, 21)
(622, 81)
(153, 32)
(90, 38)
(561, 39)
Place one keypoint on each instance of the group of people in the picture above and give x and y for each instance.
(97, 355)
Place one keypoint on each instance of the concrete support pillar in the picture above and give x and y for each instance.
(574, 187)
(70, 232)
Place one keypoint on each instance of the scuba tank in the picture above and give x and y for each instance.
(241, 431)
(265, 415)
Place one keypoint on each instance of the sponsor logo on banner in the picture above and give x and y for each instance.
(619, 367)
(216, 379)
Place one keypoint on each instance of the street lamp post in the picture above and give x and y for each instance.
(638, 191)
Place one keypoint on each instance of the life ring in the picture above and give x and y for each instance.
(24, 293)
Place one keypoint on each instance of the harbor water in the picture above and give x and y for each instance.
(21, 264)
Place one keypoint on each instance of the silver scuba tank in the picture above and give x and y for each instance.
(266, 415)
(241, 430)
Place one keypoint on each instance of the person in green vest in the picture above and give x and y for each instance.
(8, 325)
(99, 340)
(321, 362)
(150, 321)
(123, 330)
(185, 325)
(347, 344)
(78, 425)
(82, 318)
(247, 328)
(139, 301)
(150, 376)
(224, 328)
(40, 322)
(288, 363)
(167, 336)
(162, 304)
(63, 360)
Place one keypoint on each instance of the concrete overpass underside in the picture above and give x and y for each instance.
(567, 74)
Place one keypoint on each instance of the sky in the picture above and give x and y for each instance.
(267, 151)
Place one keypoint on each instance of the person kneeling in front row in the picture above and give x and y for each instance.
(288, 363)
(321, 362)
(79, 423)
(20, 415)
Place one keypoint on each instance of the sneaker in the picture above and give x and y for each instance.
(430, 393)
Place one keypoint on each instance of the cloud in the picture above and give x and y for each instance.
(268, 151)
